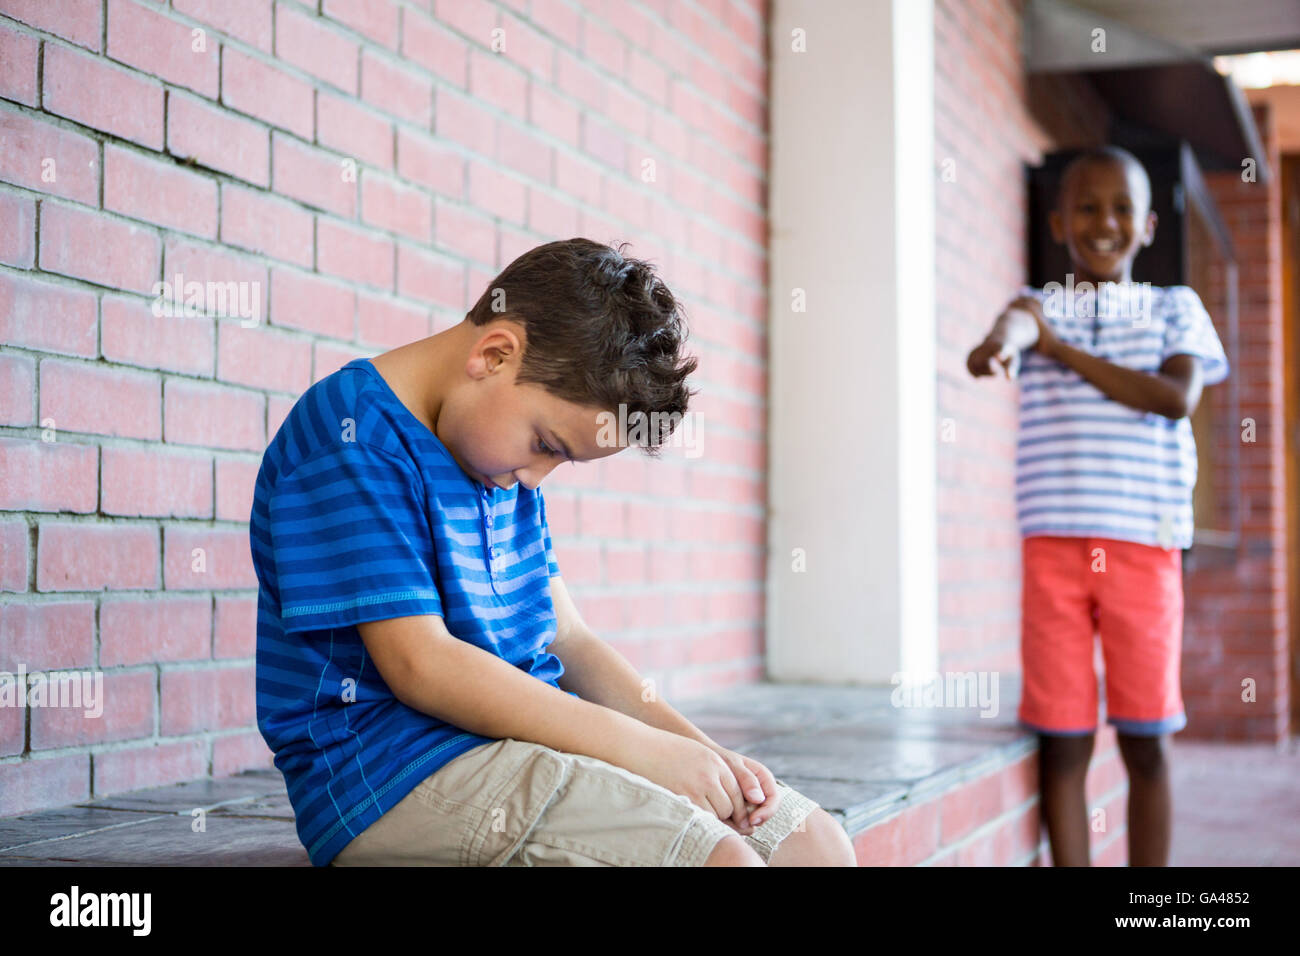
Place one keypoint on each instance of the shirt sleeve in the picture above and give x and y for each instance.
(1189, 331)
(552, 567)
(351, 540)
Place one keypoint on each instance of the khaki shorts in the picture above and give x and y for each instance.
(517, 803)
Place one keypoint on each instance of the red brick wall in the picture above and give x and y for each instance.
(989, 121)
(1236, 623)
(220, 154)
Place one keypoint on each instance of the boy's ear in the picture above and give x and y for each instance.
(1149, 236)
(1057, 226)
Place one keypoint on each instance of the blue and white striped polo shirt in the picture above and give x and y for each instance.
(360, 514)
(1088, 465)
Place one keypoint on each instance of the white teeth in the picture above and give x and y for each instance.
(1105, 245)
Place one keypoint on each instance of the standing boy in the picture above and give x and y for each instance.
(430, 692)
(1106, 464)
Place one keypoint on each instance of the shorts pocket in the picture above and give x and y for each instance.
(521, 782)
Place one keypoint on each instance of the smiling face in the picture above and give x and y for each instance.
(1104, 218)
(501, 432)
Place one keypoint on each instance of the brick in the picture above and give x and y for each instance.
(376, 19)
(267, 92)
(127, 703)
(43, 783)
(18, 66)
(330, 357)
(48, 159)
(109, 98)
(312, 303)
(48, 476)
(234, 753)
(474, 18)
(429, 44)
(528, 49)
(234, 627)
(497, 193)
(247, 20)
(264, 223)
(78, 21)
(495, 80)
(553, 114)
(420, 159)
(201, 700)
(313, 176)
(47, 635)
(18, 241)
(224, 562)
(561, 20)
(278, 407)
(429, 277)
(158, 628)
(17, 389)
(395, 89)
(235, 480)
(14, 555)
(358, 255)
(42, 315)
(389, 205)
(168, 49)
(91, 246)
(520, 150)
(233, 285)
(151, 765)
(156, 482)
(263, 358)
(548, 215)
(83, 397)
(215, 416)
(218, 139)
(160, 193)
(354, 130)
(465, 121)
(87, 557)
(463, 231)
(389, 323)
(309, 44)
(130, 333)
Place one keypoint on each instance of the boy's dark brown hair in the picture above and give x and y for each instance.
(600, 330)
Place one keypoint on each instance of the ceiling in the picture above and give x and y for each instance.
(1209, 26)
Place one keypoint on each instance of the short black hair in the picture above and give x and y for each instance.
(1100, 154)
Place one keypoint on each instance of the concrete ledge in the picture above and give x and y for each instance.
(910, 786)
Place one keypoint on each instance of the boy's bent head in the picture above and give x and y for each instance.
(568, 331)
(1103, 213)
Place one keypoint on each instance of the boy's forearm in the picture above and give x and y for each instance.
(1144, 391)
(1016, 328)
(597, 672)
(477, 691)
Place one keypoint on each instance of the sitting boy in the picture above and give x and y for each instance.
(1105, 468)
(430, 692)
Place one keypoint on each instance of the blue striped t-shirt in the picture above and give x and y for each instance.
(1088, 465)
(360, 513)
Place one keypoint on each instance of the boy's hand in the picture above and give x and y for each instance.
(761, 803)
(1047, 341)
(690, 768)
(991, 355)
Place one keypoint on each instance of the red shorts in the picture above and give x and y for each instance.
(1132, 594)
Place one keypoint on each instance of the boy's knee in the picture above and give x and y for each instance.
(733, 851)
(1144, 756)
(1065, 753)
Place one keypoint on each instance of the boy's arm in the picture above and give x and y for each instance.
(431, 670)
(595, 671)
(1173, 392)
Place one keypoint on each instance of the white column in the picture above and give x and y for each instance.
(852, 378)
